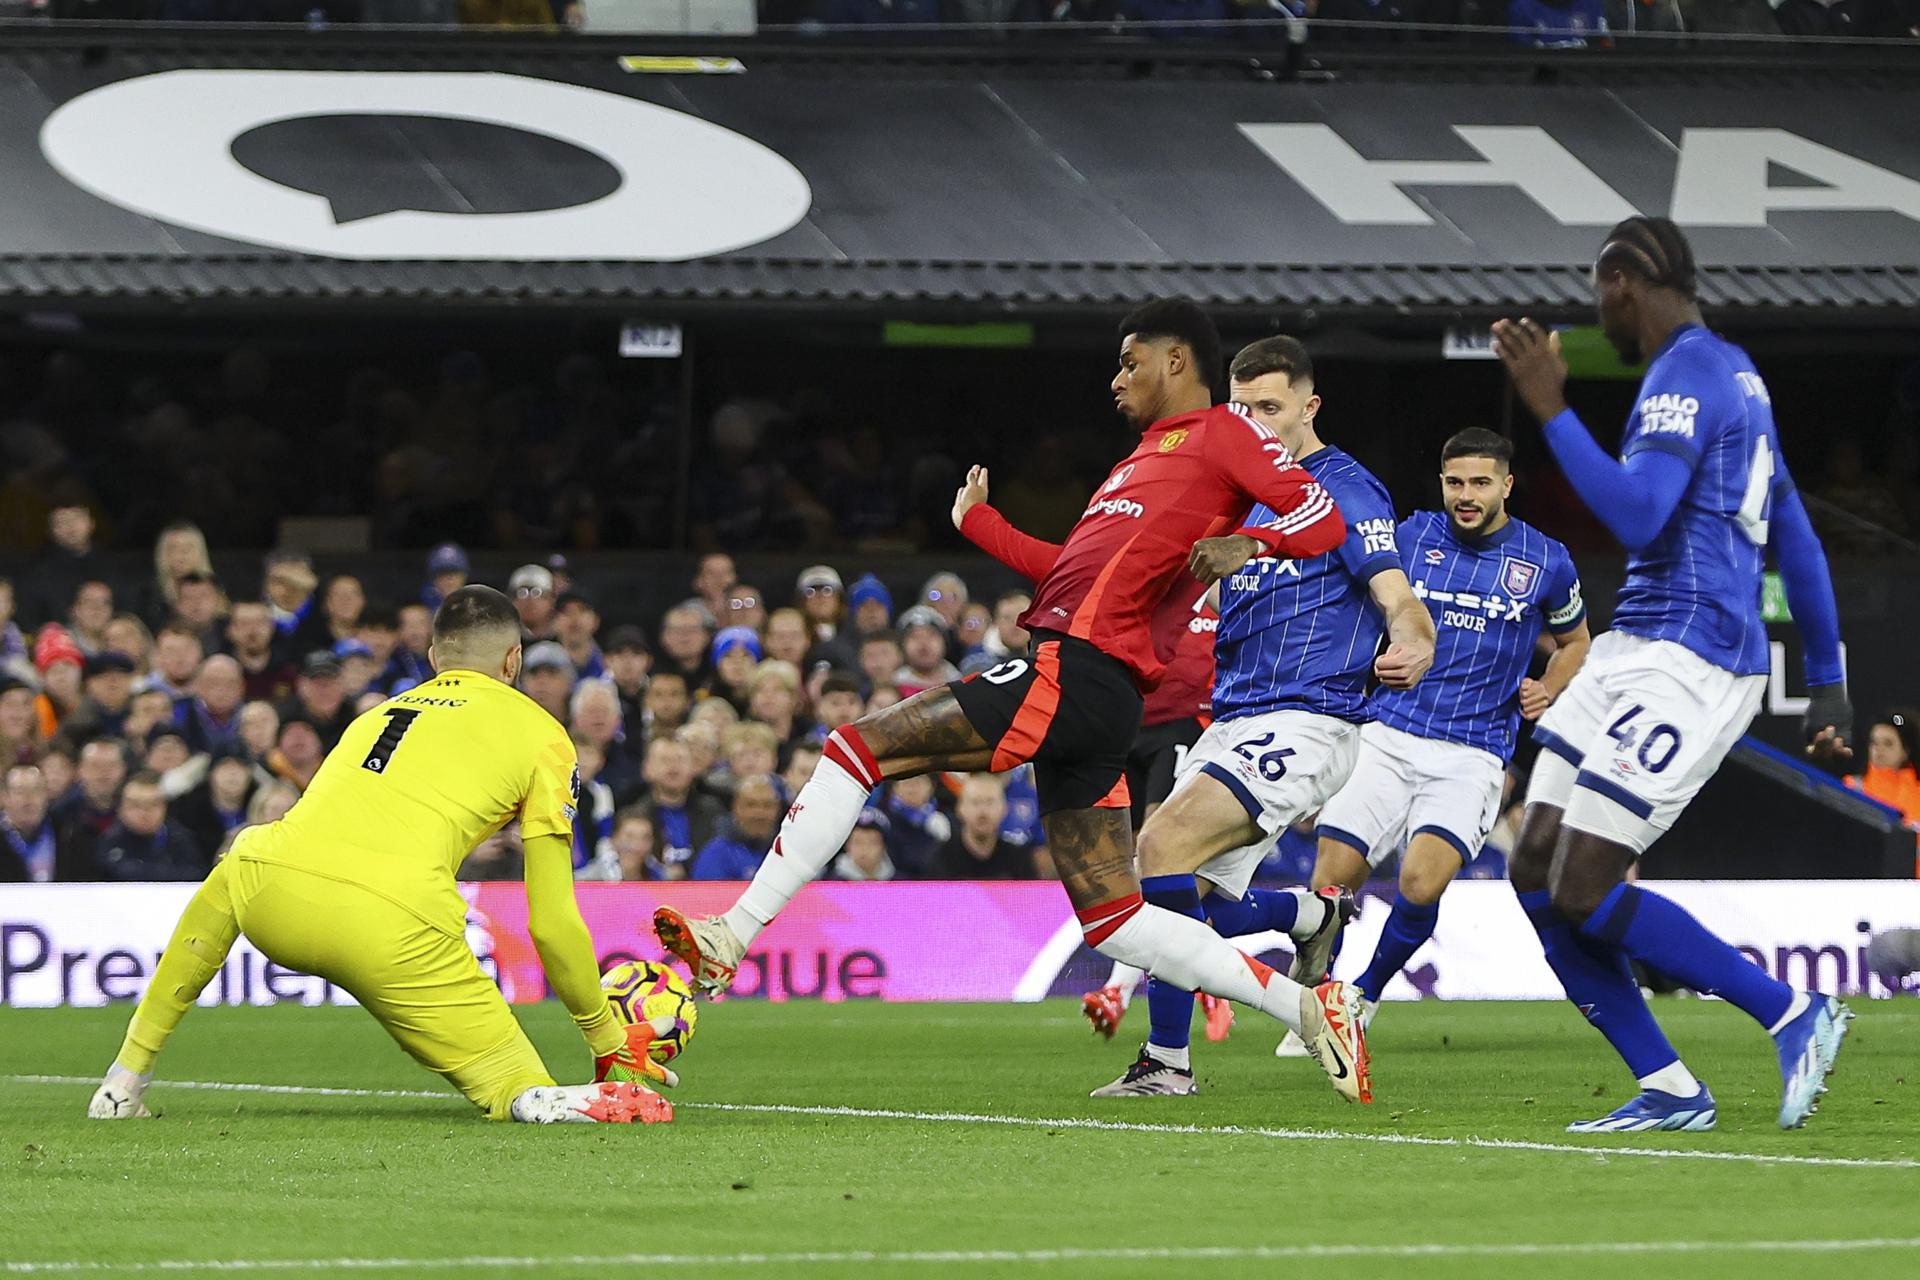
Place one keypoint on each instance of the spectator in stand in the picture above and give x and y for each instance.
(60, 766)
(210, 719)
(773, 698)
(701, 738)
(297, 755)
(379, 634)
(149, 712)
(716, 714)
(319, 698)
(629, 660)
(976, 624)
(179, 550)
(108, 691)
(736, 654)
(977, 850)
(177, 655)
(1006, 638)
(143, 843)
(880, 697)
(736, 853)
(839, 703)
(1893, 763)
(29, 850)
(801, 762)
(820, 595)
(1022, 826)
(636, 841)
(918, 828)
(667, 703)
(686, 632)
(880, 659)
(259, 730)
(16, 656)
(546, 676)
(358, 670)
(865, 857)
(447, 570)
(91, 805)
(271, 802)
(713, 580)
(264, 674)
(20, 739)
(288, 587)
(593, 821)
(787, 637)
(203, 606)
(872, 606)
(59, 662)
(49, 584)
(747, 750)
(946, 594)
(576, 622)
(531, 587)
(685, 819)
(89, 614)
(923, 639)
(747, 607)
(217, 807)
(129, 635)
(167, 755)
(562, 571)
(409, 666)
(595, 717)
(337, 616)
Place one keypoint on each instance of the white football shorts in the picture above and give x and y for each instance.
(1636, 735)
(1403, 786)
(1280, 765)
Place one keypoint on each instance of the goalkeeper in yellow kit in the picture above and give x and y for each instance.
(355, 885)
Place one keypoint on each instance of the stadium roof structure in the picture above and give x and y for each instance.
(151, 171)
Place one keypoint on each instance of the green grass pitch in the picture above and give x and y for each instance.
(967, 1147)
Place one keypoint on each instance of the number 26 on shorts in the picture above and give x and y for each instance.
(1272, 764)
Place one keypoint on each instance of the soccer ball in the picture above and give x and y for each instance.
(642, 991)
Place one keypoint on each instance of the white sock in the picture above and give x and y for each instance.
(1799, 1006)
(1181, 1058)
(1125, 977)
(814, 830)
(1312, 915)
(1674, 1079)
(1188, 954)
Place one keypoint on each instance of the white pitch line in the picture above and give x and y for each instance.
(1084, 1122)
(977, 1256)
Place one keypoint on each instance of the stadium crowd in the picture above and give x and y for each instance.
(139, 734)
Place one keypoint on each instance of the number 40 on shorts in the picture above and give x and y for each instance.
(1656, 748)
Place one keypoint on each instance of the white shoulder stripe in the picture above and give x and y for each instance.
(1317, 506)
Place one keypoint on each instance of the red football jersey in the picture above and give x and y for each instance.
(1185, 691)
(1192, 476)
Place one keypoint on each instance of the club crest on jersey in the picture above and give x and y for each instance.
(1119, 478)
(1518, 577)
(1173, 439)
(1435, 555)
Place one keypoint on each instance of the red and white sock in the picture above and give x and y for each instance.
(1185, 952)
(815, 829)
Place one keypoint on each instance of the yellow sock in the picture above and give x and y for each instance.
(196, 951)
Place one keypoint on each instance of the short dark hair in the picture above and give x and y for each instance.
(839, 682)
(1478, 442)
(143, 778)
(474, 607)
(891, 637)
(670, 673)
(380, 617)
(197, 577)
(1278, 354)
(1655, 249)
(1178, 320)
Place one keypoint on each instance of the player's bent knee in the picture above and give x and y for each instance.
(1339, 863)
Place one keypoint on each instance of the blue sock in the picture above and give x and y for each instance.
(1259, 911)
(1410, 925)
(1660, 934)
(1599, 980)
(1169, 1007)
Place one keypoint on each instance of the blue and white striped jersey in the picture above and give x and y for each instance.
(1303, 633)
(1489, 600)
(1698, 582)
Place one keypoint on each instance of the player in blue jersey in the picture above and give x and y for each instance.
(1433, 762)
(1698, 495)
(1296, 643)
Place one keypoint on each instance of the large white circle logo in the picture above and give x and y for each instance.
(161, 145)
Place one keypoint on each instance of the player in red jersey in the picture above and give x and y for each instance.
(1148, 544)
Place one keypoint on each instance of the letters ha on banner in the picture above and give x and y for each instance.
(90, 944)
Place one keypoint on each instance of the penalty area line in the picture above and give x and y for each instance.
(1078, 1122)
(965, 1257)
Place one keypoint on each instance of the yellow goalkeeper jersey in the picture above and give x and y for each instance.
(420, 780)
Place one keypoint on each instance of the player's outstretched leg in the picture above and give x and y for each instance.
(1093, 850)
(199, 946)
(928, 731)
(1806, 1027)
(1429, 865)
(605, 1103)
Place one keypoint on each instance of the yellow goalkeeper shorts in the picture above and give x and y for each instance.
(423, 985)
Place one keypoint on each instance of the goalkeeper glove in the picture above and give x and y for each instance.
(632, 1062)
